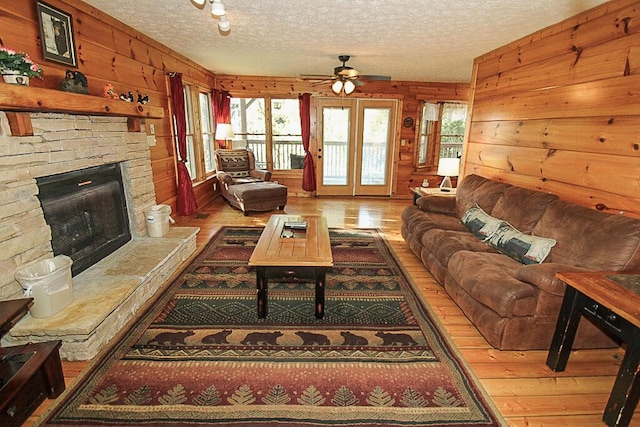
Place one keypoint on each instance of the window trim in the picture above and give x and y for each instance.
(434, 144)
(193, 99)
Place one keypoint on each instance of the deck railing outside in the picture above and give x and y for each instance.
(290, 155)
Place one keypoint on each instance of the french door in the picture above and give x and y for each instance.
(355, 146)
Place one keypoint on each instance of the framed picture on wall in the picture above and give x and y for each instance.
(56, 33)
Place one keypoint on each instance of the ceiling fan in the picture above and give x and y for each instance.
(344, 78)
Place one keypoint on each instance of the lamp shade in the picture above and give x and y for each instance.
(449, 167)
(224, 132)
(336, 87)
(349, 87)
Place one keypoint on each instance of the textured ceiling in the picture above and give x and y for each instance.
(420, 40)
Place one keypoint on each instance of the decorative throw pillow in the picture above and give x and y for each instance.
(480, 223)
(522, 247)
(235, 164)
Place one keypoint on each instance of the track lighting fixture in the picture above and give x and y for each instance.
(219, 12)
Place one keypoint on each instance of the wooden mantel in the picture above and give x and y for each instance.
(16, 99)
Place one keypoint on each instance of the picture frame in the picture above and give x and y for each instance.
(56, 35)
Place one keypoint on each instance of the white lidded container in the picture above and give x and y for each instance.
(49, 283)
(158, 218)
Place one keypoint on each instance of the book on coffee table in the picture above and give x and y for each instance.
(296, 225)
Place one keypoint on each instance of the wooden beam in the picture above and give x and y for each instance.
(20, 124)
(33, 99)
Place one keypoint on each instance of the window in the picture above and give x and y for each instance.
(206, 122)
(271, 129)
(441, 132)
(188, 113)
(200, 132)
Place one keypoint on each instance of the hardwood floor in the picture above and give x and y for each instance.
(525, 391)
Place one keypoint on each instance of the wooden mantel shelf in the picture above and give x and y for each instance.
(32, 99)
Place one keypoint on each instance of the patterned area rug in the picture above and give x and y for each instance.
(202, 357)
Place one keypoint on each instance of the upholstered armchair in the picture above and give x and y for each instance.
(237, 166)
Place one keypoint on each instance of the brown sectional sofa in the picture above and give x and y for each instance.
(514, 305)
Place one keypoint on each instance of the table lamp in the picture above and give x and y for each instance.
(448, 168)
(224, 133)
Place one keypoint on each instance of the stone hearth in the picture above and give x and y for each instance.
(107, 295)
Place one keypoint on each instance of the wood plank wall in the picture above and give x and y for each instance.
(409, 94)
(111, 52)
(559, 110)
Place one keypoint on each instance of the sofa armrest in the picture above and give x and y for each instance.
(543, 276)
(437, 204)
(224, 178)
(262, 174)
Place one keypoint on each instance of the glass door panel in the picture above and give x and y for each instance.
(335, 146)
(375, 141)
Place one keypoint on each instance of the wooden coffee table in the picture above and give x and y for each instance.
(298, 254)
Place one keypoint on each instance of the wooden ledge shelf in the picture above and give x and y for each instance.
(32, 99)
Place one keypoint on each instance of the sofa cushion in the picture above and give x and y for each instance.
(475, 189)
(444, 243)
(418, 221)
(521, 247)
(522, 207)
(479, 223)
(590, 239)
(489, 279)
(235, 163)
(543, 276)
(437, 204)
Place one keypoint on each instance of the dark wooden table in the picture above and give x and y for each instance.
(11, 311)
(28, 373)
(296, 254)
(615, 306)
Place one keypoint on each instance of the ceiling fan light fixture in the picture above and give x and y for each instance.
(198, 2)
(217, 8)
(349, 87)
(336, 87)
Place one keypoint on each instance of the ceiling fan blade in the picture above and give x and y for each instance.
(375, 77)
(315, 76)
(321, 82)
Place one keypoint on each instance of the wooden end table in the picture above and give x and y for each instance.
(299, 254)
(611, 300)
(430, 191)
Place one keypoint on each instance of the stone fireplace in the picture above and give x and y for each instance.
(86, 211)
(63, 143)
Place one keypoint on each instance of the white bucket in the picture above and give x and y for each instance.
(49, 283)
(158, 218)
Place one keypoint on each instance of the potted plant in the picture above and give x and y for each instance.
(17, 67)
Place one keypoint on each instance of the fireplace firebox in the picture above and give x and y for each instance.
(87, 213)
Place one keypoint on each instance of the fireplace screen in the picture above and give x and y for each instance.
(87, 213)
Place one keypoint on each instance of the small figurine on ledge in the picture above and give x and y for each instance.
(108, 92)
(143, 99)
(127, 97)
(74, 81)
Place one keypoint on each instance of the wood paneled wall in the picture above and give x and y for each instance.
(559, 110)
(111, 52)
(409, 94)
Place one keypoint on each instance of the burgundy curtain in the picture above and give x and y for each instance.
(309, 170)
(221, 109)
(186, 204)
